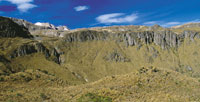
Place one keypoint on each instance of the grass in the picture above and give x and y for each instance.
(1, 79)
(146, 84)
(43, 96)
(19, 95)
(91, 97)
(85, 75)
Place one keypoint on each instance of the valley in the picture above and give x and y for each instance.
(100, 64)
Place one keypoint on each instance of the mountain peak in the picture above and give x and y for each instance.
(48, 25)
(51, 26)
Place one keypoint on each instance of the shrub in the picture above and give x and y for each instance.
(91, 97)
(1, 79)
(18, 94)
(43, 96)
(27, 79)
(44, 71)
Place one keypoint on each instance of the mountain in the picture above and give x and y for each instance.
(8, 28)
(51, 26)
(42, 28)
(106, 64)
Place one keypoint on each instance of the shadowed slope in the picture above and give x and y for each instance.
(8, 28)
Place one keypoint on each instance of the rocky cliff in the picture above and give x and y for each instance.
(164, 39)
(8, 28)
(35, 47)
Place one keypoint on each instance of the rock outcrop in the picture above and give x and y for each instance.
(51, 26)
(8, 28)
(116, 57)
(86, 35)
(62, 28)
(47, 25)
(27, 49)
(161, 38)
(164, 39)
(36, 47)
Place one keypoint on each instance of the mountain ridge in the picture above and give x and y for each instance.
(99, 63)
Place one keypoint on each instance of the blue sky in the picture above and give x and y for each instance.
(90, 13)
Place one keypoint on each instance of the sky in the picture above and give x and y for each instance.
(91, 13)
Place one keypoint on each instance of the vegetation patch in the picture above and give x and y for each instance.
(91, 97)
(43, 96)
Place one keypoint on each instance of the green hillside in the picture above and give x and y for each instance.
(102, 64)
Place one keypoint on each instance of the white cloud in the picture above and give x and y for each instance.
(22, 5)
(162, 23)
(194, 21)
(116, 18)
(81, 8)
(151, 23)
(19, 1)
(169, 24)
(26, 7)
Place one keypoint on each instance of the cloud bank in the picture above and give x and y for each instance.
(170, 24)
(116, 18)
(22, 5)
(162, 23)
(81, 8)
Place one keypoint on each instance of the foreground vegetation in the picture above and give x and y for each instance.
(146, 84)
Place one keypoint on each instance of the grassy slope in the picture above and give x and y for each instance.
(146, 84)
(33, 61)
(87, 58)
(84, 61)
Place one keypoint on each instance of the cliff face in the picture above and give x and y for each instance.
(31, 48)
(164, 39)
(86, 35)
(8, 28)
